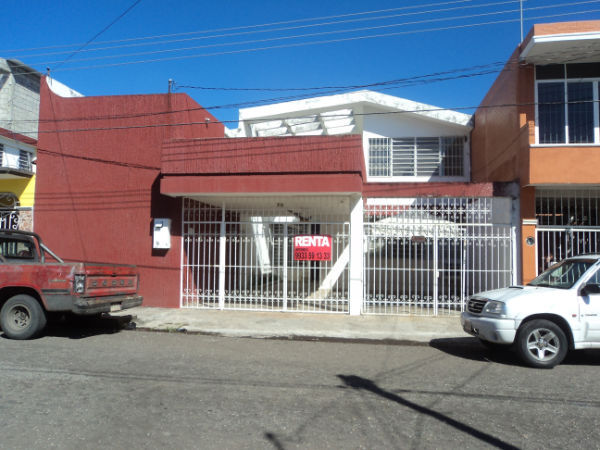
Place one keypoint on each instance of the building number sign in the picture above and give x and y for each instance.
(314, 247)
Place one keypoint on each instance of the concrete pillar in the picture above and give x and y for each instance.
(528, 234)
(355, 297)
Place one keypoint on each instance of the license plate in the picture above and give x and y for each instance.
(116, 308)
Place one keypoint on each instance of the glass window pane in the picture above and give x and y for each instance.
(550, 72)
(581, 112)
(551, 113)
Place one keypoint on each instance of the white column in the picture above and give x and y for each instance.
(355, 297)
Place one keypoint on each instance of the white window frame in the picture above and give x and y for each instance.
(11, 153)
(595, 83)
(414, 178)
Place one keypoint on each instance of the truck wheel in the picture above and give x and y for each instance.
(22, 317)
(541, 343)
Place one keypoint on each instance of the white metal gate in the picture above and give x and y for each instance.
(243, 259)
(568, 224)
(426, 256)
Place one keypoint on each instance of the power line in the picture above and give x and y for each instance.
(384, 85)
(302, 44)
(270, 30)
(251, 26)
(380, 113)
(133, 5)
(333, 40)
(308, 35)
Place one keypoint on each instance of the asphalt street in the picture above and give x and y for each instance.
(90, 386)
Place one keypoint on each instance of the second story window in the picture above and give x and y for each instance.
(24, 160)
(13, 157)
(417, 156)
(567, 103)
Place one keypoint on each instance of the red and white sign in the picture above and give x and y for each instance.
(312, 247)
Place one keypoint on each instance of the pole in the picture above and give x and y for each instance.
(521, 9)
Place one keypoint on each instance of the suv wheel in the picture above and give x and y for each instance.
(541, 343)
(22, 317)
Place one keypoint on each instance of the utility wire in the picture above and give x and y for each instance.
(248, 26)
(379, 113)
(318, 42)
(133, 5)
(423, 79)
(305, 35)
(253, 28)
(302, 44)
(271, 30)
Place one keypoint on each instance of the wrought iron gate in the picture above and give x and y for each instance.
(426, 256)
(568, 224)
(243, 259)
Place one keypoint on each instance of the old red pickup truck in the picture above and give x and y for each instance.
(34, 282)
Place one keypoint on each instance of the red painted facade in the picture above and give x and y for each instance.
(107, 166)
(98, 176)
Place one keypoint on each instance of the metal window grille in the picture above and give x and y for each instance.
(24, 160)
(422, 156)
(568, 224)
(379, 157)
(426, 256)
(243, 259)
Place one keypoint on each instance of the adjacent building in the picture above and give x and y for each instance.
(19, 107)
(538, 128)
(19, 114)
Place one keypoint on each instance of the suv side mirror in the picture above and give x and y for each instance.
(589, 289)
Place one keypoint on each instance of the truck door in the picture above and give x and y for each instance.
(590, 311)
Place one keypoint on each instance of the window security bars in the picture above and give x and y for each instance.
(427, 256)
(568, 224)
(14, 158)
(417, 156)
(243, 259)
(25, 160)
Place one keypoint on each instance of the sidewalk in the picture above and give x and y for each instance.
(296, 325)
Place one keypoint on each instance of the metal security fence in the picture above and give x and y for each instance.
(426, 256)
(239, 258)
(568, 224)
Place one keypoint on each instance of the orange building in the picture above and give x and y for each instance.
(538, 128)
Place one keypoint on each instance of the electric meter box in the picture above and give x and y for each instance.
(161, 238)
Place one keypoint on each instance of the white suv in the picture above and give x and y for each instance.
(558, 311)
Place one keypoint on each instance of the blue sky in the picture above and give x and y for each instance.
(276, 49)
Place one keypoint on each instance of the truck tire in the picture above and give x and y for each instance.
(22, 317)
(541, 344)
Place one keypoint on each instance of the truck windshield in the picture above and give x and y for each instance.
(564, 274)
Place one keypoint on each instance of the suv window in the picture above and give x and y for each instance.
(564, 274)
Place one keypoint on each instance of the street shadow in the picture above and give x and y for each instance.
(472, 349)
(364, 384)
(587, 357)
(80, 327)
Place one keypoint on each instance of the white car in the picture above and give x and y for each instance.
(556, 312)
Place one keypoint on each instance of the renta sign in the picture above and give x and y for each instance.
(312, 247)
